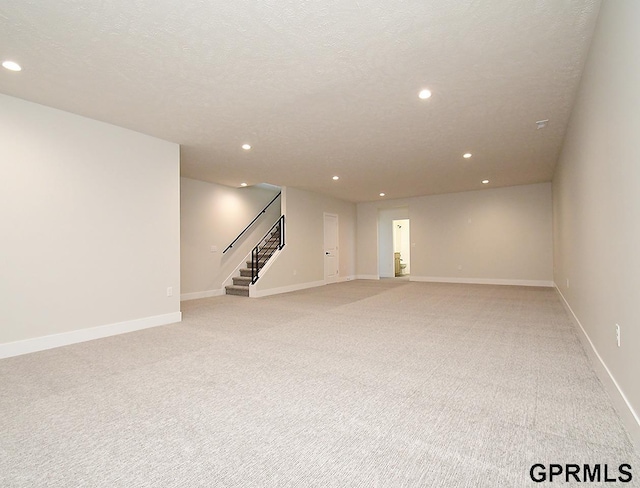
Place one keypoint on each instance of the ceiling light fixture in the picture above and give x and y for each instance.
(243, 184)
(541, 124)
(246, 147)
(381, 194)
(11, 65)
(466, 155)
(484, 182)
(336, 178)
(424, 94)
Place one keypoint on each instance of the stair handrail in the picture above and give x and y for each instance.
(251, 223)
(255, 254)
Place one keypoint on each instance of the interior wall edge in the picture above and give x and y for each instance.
(202, 294)
(253, 293)
(27, 346)
(482, 281)
(629, 416)
(342, 279)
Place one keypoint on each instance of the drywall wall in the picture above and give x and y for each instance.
(90, 219)
(301, 262)
(501, 235)
(212, 216)
(596, 191)
(367, 241)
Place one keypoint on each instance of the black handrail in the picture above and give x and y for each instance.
(247, 227)
(266, 248)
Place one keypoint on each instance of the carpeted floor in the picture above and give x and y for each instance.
(358, 384)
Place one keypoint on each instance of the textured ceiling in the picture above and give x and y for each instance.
(318, 88)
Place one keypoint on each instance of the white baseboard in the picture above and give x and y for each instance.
(253, 293)
(482, 281)
(342, 279)
(629, 416)
(36, 344)
(367, 277)
(202, 294)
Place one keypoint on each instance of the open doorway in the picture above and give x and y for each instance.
(401, 248)
(387, 230)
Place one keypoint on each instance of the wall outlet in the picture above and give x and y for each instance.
(295, 272)
(459, 266)
(170, 291)
(618, 335)
(214, 248)
(567, 282)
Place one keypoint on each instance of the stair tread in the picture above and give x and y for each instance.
(241, 283)
(242, 291)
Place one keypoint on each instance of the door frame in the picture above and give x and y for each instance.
(328, 280)
(384, 256)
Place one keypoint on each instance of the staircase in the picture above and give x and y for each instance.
(259, 257)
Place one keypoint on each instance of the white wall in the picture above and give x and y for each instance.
(214, 215)
(597, 202)
(501, 235)
(301, 262)
(90, 219)
(367, 241)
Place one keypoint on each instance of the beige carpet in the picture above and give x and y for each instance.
(360, 384)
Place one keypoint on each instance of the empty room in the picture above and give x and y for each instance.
(320, 244)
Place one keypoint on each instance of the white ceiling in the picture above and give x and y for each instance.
(318, 88)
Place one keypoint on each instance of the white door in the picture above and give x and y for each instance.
(330, 248)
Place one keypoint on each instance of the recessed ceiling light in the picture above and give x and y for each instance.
(484, 182)
(11, 65)
(381, 194)
(541, 124)
(243, 184)
(424, 94)
(246, 147)
(335, 178)
(466, 155)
